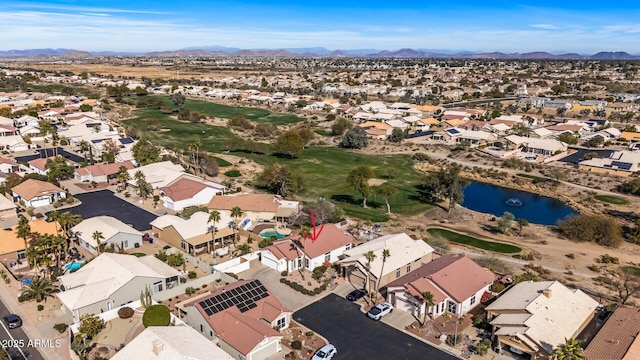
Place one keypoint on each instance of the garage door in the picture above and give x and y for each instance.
(261, 353)
(357, 279)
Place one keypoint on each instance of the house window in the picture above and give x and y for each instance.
(452, 307)
(211, 333)
(306, 262)
(126, 244)
(157, 287)
(473, 300)
(280, 324)
(397, 273)
(441, 307)
(299, 263)
(22, 255)
(347, 247)
(201, 328)
(183, 245)
(327, 257)
(408, 268)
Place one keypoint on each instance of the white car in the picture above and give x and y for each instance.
(325, 352)
(380, 310)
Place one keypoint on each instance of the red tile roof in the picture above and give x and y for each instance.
(330, 238)
(105, 169)
(243, 331)
(246, 202)
(617, 339)
(40, 163)
(183, 188)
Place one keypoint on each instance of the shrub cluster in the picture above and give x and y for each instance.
(125, 312)
(295, 286)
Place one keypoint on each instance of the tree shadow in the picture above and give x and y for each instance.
(423, 195)
(349, 199)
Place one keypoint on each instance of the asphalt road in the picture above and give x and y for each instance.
(15, 342)
(355, 336)
(104, 202)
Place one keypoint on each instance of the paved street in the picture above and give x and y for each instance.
(358, 337)
(15, 341)
(104, 202)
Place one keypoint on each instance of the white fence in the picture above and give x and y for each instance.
(237, 265)
(181, 289)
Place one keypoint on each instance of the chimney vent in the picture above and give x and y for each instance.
(157, 346)
(547, 293)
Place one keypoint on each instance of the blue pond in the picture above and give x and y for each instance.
(496, 200)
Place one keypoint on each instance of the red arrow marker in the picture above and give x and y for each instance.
(315, 235)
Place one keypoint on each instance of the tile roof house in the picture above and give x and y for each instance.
(456, 282)
(407, 254)
(618, 338)
(114, 232)
(100, 172)
(8, 166)
(622, 163)
(244, 318)
(184, 192)
(536, 317)
(111, 280)
(171, 343)
(159, 174)
(545, 147)
(297, 252)
(193, 235)
(37, 193)
(12, 247)
(256, 207)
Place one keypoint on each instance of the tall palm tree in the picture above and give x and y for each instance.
(39, 289)
(244, 249)
(214, 217)
(385, 256)
(84, 148)
(196, 155)
(23, 230)
(570, 350)
(236, 213)
(122, 178)
(59, 244)
(370, 256)
(141, 183)
(427, 299)
(68, 220)
(98, 237)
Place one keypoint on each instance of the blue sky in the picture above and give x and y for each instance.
(145, 25)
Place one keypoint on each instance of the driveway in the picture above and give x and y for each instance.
(270, 278)
(104, 202)
(358, 337)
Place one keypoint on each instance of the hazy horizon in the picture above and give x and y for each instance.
(143, 26)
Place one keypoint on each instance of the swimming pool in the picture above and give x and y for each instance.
(73, 266)
(269, 234)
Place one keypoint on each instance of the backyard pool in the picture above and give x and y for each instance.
(269, 234)
(73, 266)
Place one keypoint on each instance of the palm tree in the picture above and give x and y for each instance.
(68, 220)
(141, 183)
(23, 230)
(244, 249)
(214, 217)
(98, 237)
(59, 245)
(370, 256)
(427, 299)
(570, 350)
(84, 147)
(196, 155)
(236, 213)
(122, 178)
(39, 289)
(385, 255)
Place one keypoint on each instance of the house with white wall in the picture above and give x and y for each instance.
(36, 193)
(113, 231)
(185, 191)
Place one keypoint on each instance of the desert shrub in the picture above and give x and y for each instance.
(608, 259)
(594, 268)
(125, 312)
(296, 345)
(571, 256)
(497, 287)
(284, 273)
(282, 280)
(483, 347)
(309, 334)
(593, 228)
(189, 290)
(60, 327)
(192, 275)
(40, 307)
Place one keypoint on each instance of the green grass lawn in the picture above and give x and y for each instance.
(325, 169)
(475, 242)
(611, 199)
(233, 173)
(223, 162)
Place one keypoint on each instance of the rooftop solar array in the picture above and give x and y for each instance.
(622, 165)
(244, 297)
(125, 141)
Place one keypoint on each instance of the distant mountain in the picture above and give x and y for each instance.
(216, 51)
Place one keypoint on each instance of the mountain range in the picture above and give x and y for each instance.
(213, 51)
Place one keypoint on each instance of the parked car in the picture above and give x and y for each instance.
(356, 294)
(12, 321)
(325, 352)
(380, 310)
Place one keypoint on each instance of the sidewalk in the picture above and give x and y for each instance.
(43, 331)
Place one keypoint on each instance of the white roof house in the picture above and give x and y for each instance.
(540, 315)
(619, 161)
(171, 343)
(404, 251)
(113, 232)
(194, 226)
(159, 174)
(111, 280)
(546, 147)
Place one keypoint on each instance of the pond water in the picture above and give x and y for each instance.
(537, 209)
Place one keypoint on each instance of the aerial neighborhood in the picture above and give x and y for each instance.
(460, 208)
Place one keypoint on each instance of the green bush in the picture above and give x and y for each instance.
(156, 315)
(189, 290)
(192, 275)
(60, 327)
(282, 280)
(40, 307)
(296, 345)
(497, 287)
(284, 273)
(233, 173)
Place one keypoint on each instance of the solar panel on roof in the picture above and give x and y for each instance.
(125, 141)
(244, 297)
